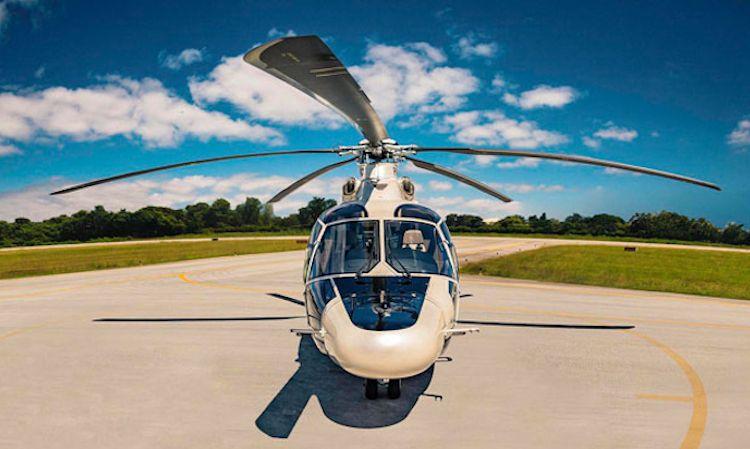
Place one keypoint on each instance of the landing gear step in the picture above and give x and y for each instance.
(371, 388)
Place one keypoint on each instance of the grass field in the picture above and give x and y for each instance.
(663, 269)
(290, 234)
(305, 234)
(603, 238)
(21, 263)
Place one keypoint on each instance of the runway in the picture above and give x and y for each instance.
(197, 354)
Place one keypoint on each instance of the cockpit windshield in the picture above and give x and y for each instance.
(347, 247)
(415, 247)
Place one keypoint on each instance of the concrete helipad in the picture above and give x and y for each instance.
(198, 354)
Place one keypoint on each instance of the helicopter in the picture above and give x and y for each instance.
(381, 275)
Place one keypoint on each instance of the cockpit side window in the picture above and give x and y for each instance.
(311, 244)
(315, 233)
(416, 247)
(446, 232)
(347, 247)
(451, 246)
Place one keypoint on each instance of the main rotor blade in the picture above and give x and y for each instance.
(548, 325)
(459, 177)
(193, 319)
(308, 64)
(185, 164)
(307, 178)
(579, 160)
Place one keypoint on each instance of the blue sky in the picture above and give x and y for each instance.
(90, 89)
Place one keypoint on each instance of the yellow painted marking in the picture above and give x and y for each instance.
(22, 330)
(51, 291)
(244, 265)
(189, 280)
(17, 331)
(692, 439)
(698, 398)
(664, 397)
(128, 280)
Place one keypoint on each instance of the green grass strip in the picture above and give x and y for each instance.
(709, 273)
(36, 262)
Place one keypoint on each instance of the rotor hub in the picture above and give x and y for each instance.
(386, 149)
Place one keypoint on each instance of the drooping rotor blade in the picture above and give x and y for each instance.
(185, 164)
(460, 178)
(287, 298)
(195, 319)
(308, 64)
(578, 160)
(548, 325)
(307, 178)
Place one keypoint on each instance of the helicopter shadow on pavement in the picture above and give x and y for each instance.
(341, 396)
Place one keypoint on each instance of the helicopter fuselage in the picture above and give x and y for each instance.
(381, 279)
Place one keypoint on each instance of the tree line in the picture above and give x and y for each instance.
(663, 225)
(255, 216)
(152, 221)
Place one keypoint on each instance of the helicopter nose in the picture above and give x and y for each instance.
(392, 354)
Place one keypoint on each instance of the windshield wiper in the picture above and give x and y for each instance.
(368, 262)
(406, 272)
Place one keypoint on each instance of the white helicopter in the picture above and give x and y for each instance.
(381, 272)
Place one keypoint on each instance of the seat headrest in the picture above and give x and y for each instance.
(413, 237)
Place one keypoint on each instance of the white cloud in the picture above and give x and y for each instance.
(408, 79)
(498, 83)
(740, 136)
(527, 188)
(260, 95)
(275, 33)
(495, 128)
(136, 109)
(39, 73)
(182, 59)
(413, 121)
(7, 150)
(409, 167)
(591, 142)
(521, 162)
(612, 132)
(542, 96)
(34, 202)
(484, 160)
(405, 79)
(433, 54)
(619, 172)
(483, 207)
(440, 186)
(469, 48)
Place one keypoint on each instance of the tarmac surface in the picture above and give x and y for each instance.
(198, 354)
